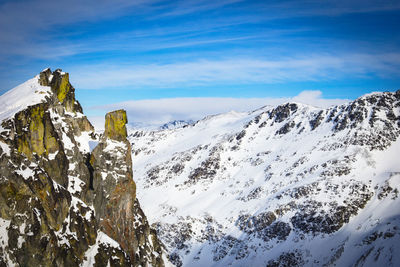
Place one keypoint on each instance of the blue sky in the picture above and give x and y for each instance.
(119, 51)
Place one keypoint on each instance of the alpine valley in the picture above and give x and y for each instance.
(286, 185)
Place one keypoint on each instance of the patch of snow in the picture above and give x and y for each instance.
(74, 204)
(37, 212)
(67, 142)
(25, 173)
(27, 94)
(74, 184)
(104, 175)
(93, 250)
(4, 225)
(52, 156)
(22, 228)
(21, 240)
(5, 148)
(113, 146)
(85, 142)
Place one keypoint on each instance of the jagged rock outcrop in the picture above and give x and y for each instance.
(49, 190)
(117, 209)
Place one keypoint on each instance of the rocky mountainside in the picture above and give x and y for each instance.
(176, 124)
(67, 197)
(291, 185)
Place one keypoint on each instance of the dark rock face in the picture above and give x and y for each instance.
(378, 111)
(286, 128)
(208, 168)
(280, 113)
(49, 185)
(317, 120)
(264, 226)
(287, 259)
(117, 209)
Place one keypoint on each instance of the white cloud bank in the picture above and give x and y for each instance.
(155, 112)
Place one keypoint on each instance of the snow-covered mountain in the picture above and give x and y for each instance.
(291, 185)
(142, 126)
(175, 124)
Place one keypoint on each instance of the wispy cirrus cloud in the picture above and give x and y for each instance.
(32, 28)
(312, 8)
(27, 28)
(237, 71)
(179, 8)
(42, 15)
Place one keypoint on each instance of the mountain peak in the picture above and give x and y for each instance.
(51, 87)
(62, 89)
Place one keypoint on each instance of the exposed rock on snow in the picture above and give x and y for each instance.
(290, 185)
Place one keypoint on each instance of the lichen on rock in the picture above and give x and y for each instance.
(115, 125)
(60, 85)
(36, 129)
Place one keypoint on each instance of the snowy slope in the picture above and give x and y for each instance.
(286, 185)
(27, 94)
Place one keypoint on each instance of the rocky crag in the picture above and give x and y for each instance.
(61, 202)
(115, 202)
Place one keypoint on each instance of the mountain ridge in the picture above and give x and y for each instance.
(261, 187)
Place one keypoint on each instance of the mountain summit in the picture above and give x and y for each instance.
(63, 203)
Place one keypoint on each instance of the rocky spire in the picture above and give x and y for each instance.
(117, 209)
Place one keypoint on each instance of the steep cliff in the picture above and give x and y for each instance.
(60, 204)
